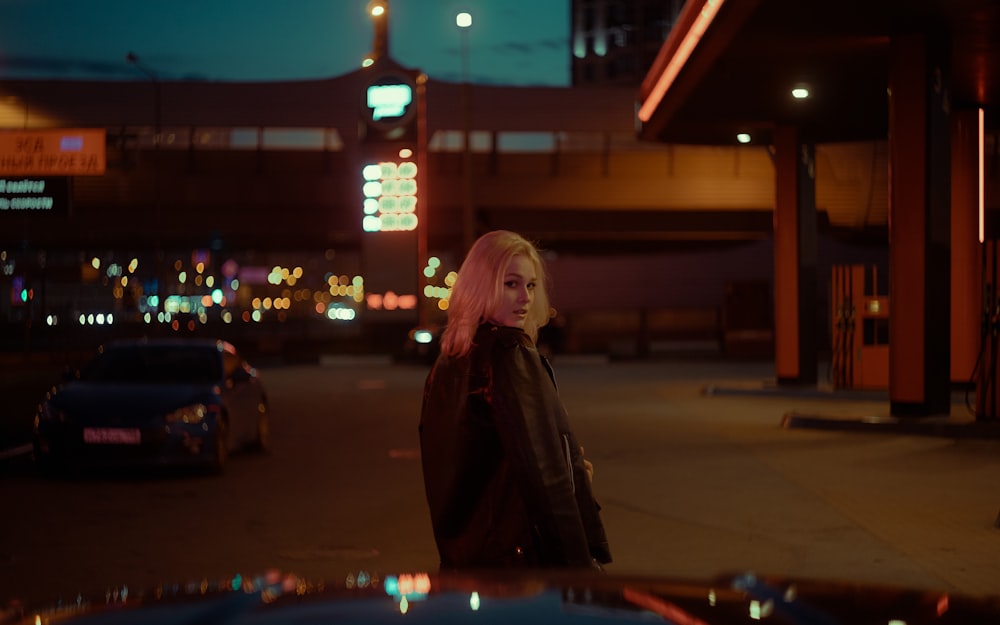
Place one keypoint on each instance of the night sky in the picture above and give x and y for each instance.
(511, 42)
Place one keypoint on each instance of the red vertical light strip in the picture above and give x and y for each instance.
(982, 170)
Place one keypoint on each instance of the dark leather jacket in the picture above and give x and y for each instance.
(503, 472)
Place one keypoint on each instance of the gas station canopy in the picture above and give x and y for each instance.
(729, 66)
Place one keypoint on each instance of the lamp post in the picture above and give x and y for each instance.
(133, 59)
(464, 22)
(379, 12)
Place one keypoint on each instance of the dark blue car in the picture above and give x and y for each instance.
(153, 402)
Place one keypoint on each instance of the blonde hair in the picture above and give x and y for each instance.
(478, 290)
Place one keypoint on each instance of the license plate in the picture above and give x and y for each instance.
(112, 436)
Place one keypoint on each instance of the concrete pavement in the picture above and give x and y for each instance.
(706, 466)
(874, 417)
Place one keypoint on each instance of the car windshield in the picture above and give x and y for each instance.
(155, 365)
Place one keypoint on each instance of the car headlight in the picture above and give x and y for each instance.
(188, 414)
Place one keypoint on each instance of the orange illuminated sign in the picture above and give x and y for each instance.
(53, 152)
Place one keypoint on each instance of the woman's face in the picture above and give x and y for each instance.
(519, 281)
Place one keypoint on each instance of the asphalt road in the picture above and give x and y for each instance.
(691, 486)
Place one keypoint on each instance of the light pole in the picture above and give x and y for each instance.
(464, 22)
(379, 12)
(133, 59)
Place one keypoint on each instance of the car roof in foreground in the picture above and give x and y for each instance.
(534, 596)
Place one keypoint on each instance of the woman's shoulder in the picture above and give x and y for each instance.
(504, 336)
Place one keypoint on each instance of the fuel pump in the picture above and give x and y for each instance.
(860, 328)
(842, 322)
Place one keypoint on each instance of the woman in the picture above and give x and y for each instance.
(506, 481)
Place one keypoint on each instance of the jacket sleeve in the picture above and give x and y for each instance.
(526, 405)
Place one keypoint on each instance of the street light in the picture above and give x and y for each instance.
(133, 59)
(464, 22)
(379, 12)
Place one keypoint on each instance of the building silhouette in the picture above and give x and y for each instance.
(614, 42)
